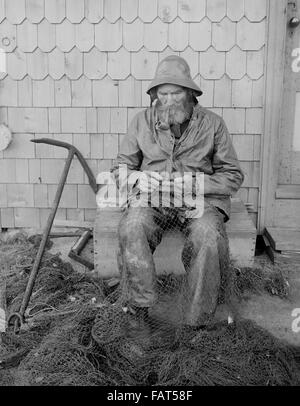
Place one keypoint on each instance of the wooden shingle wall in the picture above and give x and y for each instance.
(77, 70)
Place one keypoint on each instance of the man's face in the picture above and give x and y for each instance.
(173, 105)
(171, 94)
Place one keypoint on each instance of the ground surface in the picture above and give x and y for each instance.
(270, 312)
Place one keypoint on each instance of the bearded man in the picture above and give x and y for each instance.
(176, 136)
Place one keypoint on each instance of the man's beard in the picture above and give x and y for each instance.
(175, 113)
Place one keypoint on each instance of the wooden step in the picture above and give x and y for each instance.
(240, 229)
(284, 239)
(284, 247)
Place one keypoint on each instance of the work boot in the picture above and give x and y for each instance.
(138, 327)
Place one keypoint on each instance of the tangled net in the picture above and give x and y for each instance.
(76, 335)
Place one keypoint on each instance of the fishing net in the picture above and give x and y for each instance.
(77, 332)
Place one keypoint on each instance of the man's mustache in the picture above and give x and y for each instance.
(175, 113)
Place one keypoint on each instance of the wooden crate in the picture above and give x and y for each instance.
(167, 256)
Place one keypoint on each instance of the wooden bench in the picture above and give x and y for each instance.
(167, 256)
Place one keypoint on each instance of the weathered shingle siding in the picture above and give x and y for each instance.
(77, 70)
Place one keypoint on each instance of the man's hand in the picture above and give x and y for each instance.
(149, 181)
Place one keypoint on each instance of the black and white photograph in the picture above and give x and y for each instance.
(149, 196)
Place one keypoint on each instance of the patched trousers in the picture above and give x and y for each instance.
(204, 256)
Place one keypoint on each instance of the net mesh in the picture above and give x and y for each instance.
(77, 331)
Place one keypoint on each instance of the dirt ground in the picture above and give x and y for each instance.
(276, 315)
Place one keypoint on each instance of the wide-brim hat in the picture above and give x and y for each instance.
(174, 70)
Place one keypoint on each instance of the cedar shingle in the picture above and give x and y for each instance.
(235, 120)
(43, 92)
(129, 10)
(20, 195)
(216, 9)
(200, 35)
(74, 63)
(84, 35)
(56, 64)
(65, 35)
(110, 146)
(40, 193)
(7, 170)
(20, 147)
(97, 146)
(27, 36)
(105, 92)
(82, 143)
(46, 36)
(222, 92)
(242, 92)
(91, 120)
(62, 92)
(55, 10)
(103, 120)
(22, 171)
(37, 64)
(27, 217)
(81, 92)
(257, 92)
(25, 92)
(35, 10)
(108, 36)
(68, 198)
(251, 36)
(86, 197)
(255, 63)
(156, 35)
(223, 35)
(207, 87)
(75, 10)
(255, 10)
(8, 36)
(212, 64)
(191, 10)
(143, 64)
(254, 121)
(35, 171)
(95, 64)
(119, 64)
(94, 10)
(7, 218)
(129, 92)
(29, 120)
(73, 120)
(8, 92)
(15, 11)
(118, 120)
(133, 35)
(148, 10)
(192, 59)
(112, 10)
(54, 120)
(235, 9)
(167, 10)
(178, 35)
(236, 63)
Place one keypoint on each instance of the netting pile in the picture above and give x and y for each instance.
(76, 334)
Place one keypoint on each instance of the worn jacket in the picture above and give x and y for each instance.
(205, 146)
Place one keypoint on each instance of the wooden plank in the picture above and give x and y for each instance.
(286, 213)
(284, 239)
(73, 223)
(273, 98)
(288, 192)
